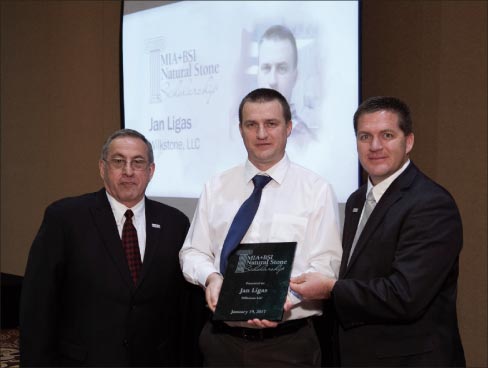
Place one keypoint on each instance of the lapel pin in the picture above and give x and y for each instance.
(157, 226)
(354, 210)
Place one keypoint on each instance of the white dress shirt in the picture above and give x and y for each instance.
(139, 220)
(297, 205)
(380, 188)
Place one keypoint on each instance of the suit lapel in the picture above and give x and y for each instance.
(105, 223)
(353, 214)
(154, 231)
(375, 220)
(393, 194)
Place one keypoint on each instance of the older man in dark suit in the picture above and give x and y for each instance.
(395, 299)
(103, 285)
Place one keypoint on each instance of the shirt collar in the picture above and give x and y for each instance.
(380, 188)
(119, 209)
(277, 172)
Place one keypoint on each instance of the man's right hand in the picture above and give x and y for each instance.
(212, 289)
(312, 286)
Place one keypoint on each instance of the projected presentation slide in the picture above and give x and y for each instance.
(187, 65)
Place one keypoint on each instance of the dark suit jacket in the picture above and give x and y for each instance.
(79, 305)
(396, 300)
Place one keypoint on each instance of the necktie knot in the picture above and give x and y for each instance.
(129, 214)
(260, 181)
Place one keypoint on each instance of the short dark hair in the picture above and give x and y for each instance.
(381, 103)
(266, 95)
(127, 133)
(277, 33)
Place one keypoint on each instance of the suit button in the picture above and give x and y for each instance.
(126, 343)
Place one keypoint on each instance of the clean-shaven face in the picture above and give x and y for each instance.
(382, 146)
(276, 68)
(126, 185)
(264, 132)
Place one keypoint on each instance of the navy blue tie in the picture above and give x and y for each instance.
(243, 219)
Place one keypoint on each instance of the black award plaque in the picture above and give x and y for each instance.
(256, 282)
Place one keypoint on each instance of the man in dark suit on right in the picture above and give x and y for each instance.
(395, 300)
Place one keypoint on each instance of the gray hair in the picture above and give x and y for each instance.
(127, 133)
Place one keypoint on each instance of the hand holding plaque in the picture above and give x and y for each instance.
(256, 282)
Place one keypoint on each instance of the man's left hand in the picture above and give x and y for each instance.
(264, 323)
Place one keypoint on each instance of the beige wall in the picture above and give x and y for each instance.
(433, 54)
(60, 99)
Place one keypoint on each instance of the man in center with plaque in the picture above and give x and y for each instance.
(266, 201)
